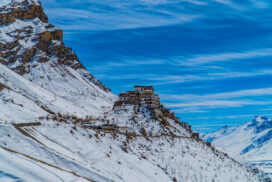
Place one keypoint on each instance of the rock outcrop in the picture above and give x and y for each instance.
(27, 38)
(24, 12)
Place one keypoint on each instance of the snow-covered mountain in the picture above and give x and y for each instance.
(33, 48)
(46, 94)
(252, 141)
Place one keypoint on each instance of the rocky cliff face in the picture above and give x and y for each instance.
(34, 48)
(21, 10)
(27, 38)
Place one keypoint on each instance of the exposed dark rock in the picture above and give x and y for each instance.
(25, 12)
(46, 45)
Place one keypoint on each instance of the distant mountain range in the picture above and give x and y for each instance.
(252, 142)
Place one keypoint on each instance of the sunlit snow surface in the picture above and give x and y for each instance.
(64, 152)
(250, 142)
(18, 168)
(104, 160)
(72, 86)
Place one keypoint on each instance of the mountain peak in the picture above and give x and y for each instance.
(260, 119)
(29, 43)
(260, 123)
(16, 3)
(34, 48)
(11, 10)
(251, 141)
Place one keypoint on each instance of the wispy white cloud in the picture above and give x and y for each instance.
(69, 12)
(189, 110)
(218, 103)
(119, 14)
(225, 95)
(230, 56)
(116, 14)
(194, 68)
(173, 79)
(223, 117)
(200, 103)
(156, 2)
(208, 125)
(157, 80)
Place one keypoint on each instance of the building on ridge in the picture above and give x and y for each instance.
(144, 89)
(144, 96)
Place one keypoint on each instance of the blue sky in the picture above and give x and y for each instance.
(210, 61)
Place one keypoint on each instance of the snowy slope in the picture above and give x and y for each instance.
(251, 141)
(33, 48)
(15, 167)
(30, 100)
(101, 156)
(46, 93)
(167, 152)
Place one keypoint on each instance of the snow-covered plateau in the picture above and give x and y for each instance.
(45, 96)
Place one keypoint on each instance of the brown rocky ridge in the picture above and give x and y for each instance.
(47, 45)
